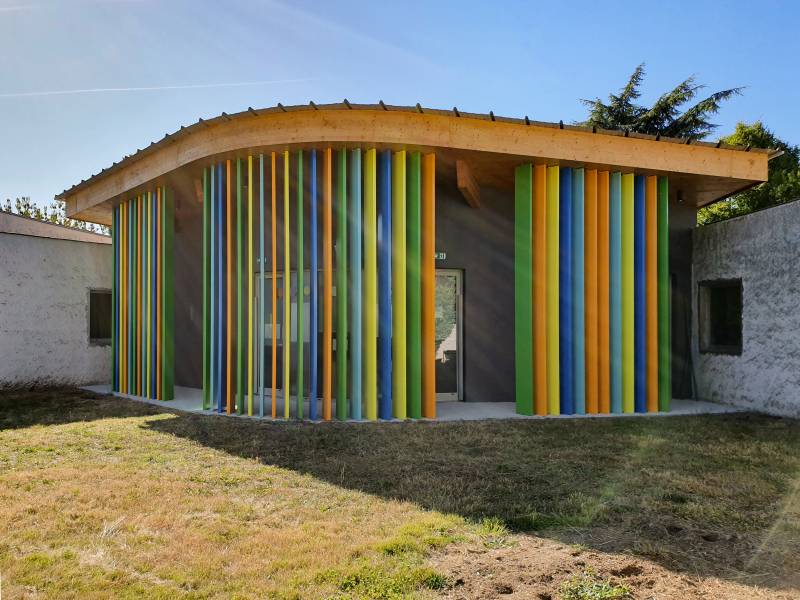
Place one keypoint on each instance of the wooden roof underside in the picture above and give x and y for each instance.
(491, 146)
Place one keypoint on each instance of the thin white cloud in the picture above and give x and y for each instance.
(196, 86)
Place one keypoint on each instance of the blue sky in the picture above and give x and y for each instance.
(515, 58)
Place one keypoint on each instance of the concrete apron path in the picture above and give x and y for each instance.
(190, 400)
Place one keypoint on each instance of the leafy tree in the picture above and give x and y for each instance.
(55, 212)
(784, 176)
(665, 117)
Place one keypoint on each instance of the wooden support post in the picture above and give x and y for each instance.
(467, 185)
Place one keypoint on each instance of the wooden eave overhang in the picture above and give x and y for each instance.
(703, 172)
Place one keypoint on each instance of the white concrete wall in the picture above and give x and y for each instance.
(763, 249)
(44, 311)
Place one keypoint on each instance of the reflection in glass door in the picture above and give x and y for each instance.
(449, 332)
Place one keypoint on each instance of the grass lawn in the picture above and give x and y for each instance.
(105, 497)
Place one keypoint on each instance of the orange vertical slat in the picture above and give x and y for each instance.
(590, 288)
(604, 375)
(428, 281)
(539, 289)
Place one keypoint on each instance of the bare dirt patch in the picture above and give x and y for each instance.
(538, 568)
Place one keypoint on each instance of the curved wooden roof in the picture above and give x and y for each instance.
(492, 145)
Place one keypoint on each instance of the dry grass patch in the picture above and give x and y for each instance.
(102, 497)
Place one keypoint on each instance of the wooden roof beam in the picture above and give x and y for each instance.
(467, 185)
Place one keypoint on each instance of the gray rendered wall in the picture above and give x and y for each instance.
(763, 249)
(44, 311)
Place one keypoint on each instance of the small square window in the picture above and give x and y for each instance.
(100, 317)
(720, 316)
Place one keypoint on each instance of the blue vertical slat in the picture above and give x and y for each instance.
(615, 288)
(259, 337)
(385, 284)
(640, 333)
(565, 291)
(115, 357)
(212, 251)
(314, 300)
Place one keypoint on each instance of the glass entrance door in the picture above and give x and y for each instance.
(449, 333)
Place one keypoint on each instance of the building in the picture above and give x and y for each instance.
(454, 256)
(55, 304)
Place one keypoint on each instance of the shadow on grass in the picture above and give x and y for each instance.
(703, 495)
(709, 495)
(21, 408)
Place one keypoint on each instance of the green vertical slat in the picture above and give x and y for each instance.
(239, 295)
(523, 288)
(206, 205)
(168, 306)
(664, 350)
(300, 285)
(414, 288)
(114, 246)
(341, 288)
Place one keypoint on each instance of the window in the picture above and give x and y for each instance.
(100, 317)
(720, 316)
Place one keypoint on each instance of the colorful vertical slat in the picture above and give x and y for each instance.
(355, 297)
(627, 294)
(615, 289)
(287, 291)
(553, 384)
(651, 275)
(370, 303)
(385, 284)
(206, 291)
(240, 389)
(603, 299)
(249, 275)
(274, 310)
(262, 261)
(578, 306)
(301, 285)
(664, 353)
(640, 330)
(591, 284)
(313, 349)
(229, 285)
(539, 311)
(341, 288)
(565, 331)
(327, 286)
(221, 346)
(428, 285)
(399, 287)
(414, 286)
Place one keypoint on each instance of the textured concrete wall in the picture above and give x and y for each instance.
(764, 250)
(44, 311)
